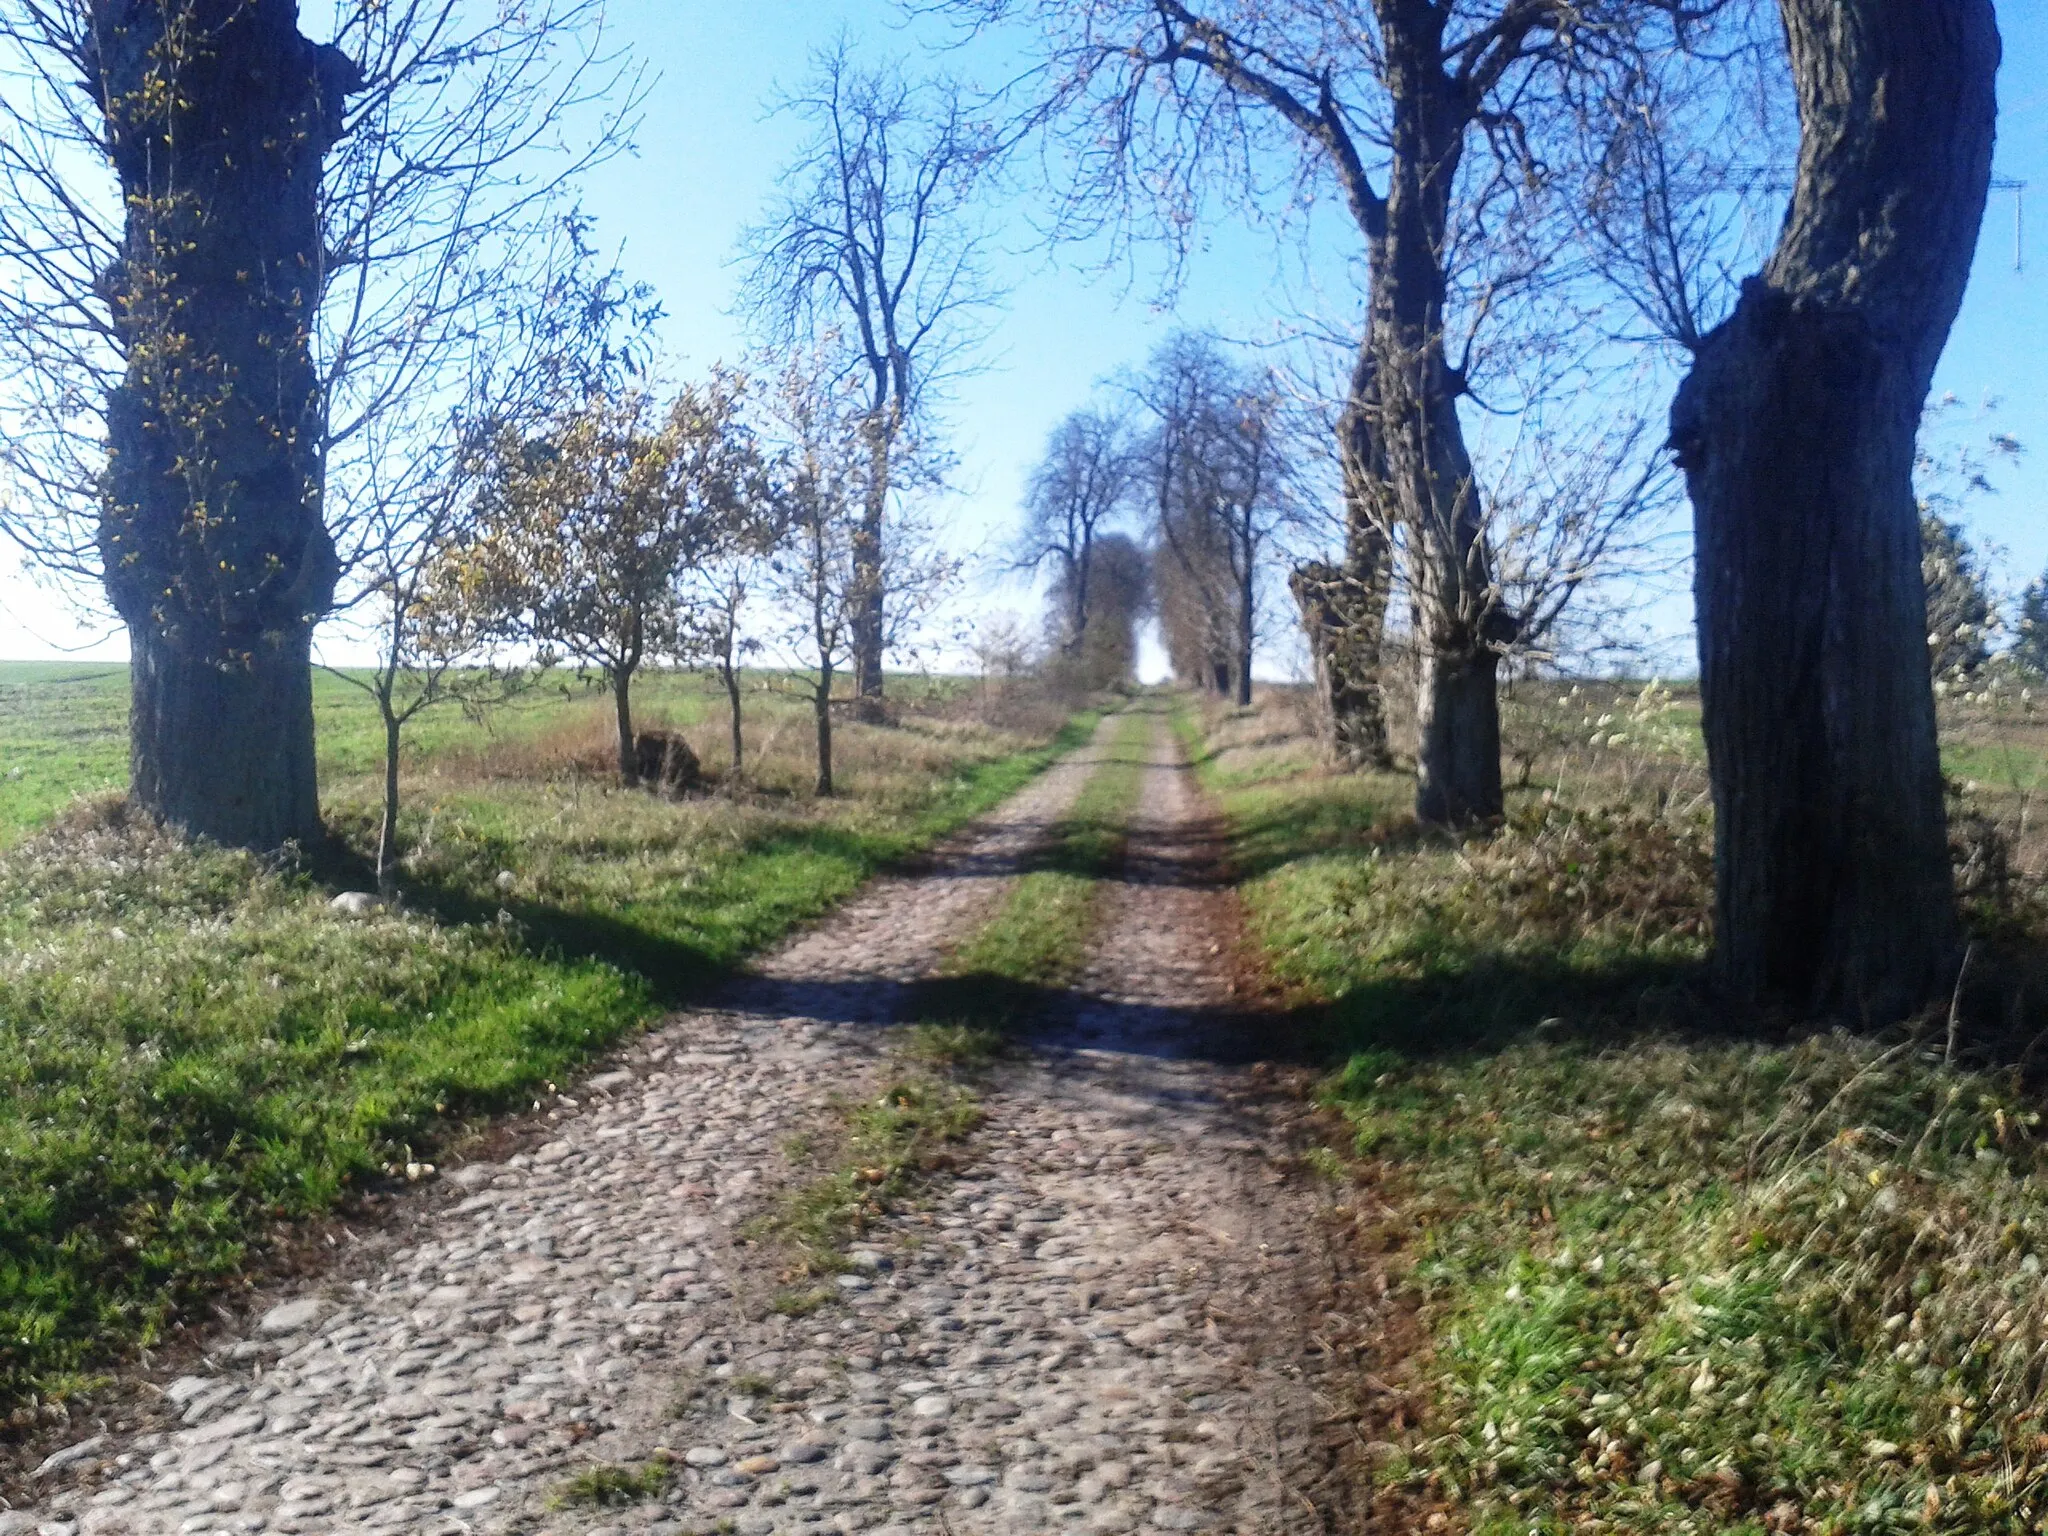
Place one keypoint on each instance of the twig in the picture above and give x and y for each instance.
(1955, 1004)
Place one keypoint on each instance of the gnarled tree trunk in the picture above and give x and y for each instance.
(1796, 430)
(1424, 479)
(1345, 618)
(1344, 610)
(218, 115)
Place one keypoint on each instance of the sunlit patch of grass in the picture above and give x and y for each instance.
(1768, 1288)
(1675, 1280)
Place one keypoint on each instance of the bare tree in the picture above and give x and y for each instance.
(228, 248)
(1082, 485)
(1220, 491)
(1155, 98)
(877, 244)
(1795, 430)
(1103, 651)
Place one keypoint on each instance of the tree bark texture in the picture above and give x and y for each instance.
(869, 630)
(1423, 479)
(732, 699)
(218, 114)
(622, 708)
(1796, 431)
(1457, 761)
(821, 706)
(1348, 642)
(1345, 618)
(1246, 628)
(387, 833)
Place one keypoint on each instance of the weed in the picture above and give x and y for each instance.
(612, 1487)
(1327, 1165)
(799, 1301)
(954, 1047)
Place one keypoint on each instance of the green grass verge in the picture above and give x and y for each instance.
(1681, 1287)
(1675, 1280)
(192, 1046)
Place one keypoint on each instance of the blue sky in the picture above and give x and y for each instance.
(707, 160)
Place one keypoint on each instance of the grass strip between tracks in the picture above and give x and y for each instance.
(882, 1147)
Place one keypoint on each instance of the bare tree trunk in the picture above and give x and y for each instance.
(1245, 615)
(1457, 764)
(1796, 431)
(387, 834)
(731, 675)
(218, 116)
(1426, 480)
(622, 704)
(868, 624)
(1345, 618)
(821, 705)
(224, 751)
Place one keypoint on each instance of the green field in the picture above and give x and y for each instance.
(196, 1047)
(64, 729)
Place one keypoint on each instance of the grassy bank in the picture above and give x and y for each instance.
(196, 1046)
(1680, 1272)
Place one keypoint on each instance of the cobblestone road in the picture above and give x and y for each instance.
(1103, 1323)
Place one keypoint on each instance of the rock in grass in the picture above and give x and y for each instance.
(356, 904)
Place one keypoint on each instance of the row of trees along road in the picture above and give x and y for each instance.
(245, 268)
(1193, 451)
(1437, 120)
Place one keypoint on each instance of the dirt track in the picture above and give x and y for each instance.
(1107, 1322)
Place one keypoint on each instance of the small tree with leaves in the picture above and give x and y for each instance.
(588, 525)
